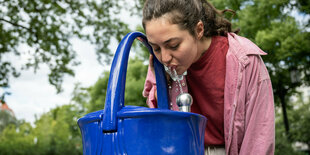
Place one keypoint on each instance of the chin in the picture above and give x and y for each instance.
(180, 72)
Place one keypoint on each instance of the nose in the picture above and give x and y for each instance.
(166, 57)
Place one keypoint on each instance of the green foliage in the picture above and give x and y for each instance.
(55, 133)
(304, 7)
(40, 31)
(97, 93)
(136, 74)
(17, 140)
(268, 23)
(135, 78)
(45, 28)
(300, 121)
(283, 145)
(6, 118)
(141, 51)
(288, 52)
(288, 48)
(299, 116)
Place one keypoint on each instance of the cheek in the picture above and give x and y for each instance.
(186, 55)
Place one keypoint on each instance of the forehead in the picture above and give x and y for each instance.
(160, 30)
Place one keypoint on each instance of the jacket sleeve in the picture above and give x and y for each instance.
(259, 135)
(150, 89)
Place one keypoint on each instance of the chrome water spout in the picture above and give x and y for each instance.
(184, 102)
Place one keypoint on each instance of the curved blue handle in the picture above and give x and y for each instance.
(116, 86)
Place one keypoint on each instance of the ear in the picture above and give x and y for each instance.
(199, 30)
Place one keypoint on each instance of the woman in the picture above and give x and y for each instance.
(226, 76)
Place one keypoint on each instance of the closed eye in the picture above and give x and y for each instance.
(157, 49)
(175, 47)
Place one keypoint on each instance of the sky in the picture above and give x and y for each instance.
(31, 94)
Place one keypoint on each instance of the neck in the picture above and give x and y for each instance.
(203, 46)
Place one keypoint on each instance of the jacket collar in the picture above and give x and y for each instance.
(242, 47)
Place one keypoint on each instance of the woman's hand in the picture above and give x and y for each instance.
(168, 78)
(152, 64)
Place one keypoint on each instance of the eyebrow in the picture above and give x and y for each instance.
(167, 41)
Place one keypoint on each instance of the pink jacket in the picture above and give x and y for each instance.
(249, 126)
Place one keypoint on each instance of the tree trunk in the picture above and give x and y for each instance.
(285, 119)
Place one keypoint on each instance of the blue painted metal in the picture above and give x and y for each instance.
(120, 129)
(116, 85)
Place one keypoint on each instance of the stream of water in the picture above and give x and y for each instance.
(175, 77)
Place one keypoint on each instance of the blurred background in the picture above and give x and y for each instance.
(55, 58)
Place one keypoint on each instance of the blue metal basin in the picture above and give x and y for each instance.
(133, 130)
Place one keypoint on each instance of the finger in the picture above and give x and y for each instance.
(152, 63)
(168, 78)
(155, 95)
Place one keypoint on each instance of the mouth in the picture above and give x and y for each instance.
(173, 73)
(171, 68)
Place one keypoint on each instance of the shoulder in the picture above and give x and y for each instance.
(242, 48)
(248, 55)
(243, 45)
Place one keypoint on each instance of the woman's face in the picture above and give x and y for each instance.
(172, 46)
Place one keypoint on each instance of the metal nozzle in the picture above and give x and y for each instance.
(184, 102)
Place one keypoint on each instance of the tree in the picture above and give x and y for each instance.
(97, 93)
(18, 140)
(288, 60)
(57, 131)
(135, 78)
(283, 145)
(40, 30)
(299, 117)
(6, 118)
(136, 75)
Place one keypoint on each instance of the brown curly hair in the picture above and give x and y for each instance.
(187, 13)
